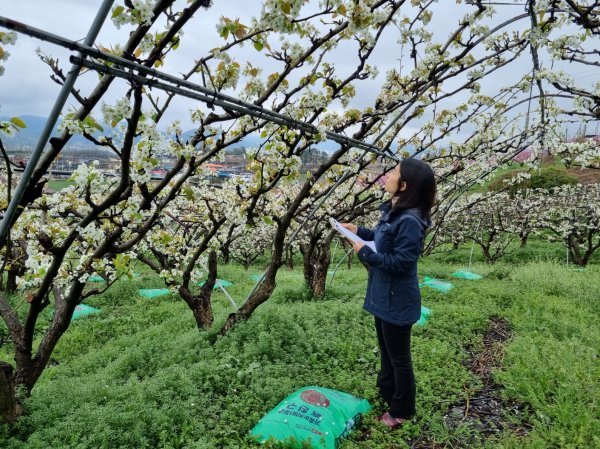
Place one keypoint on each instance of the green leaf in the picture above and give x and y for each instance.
(90, 121)
(118, 11)
(189, 193)
(18, 122)
(259, 45)
(286, 8)
(267, 220)
(121, 263)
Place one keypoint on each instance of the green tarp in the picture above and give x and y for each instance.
(425, 314)
(153, 292)
(96, 278)
(312, 415)
(464, 274)
(218, 284)
(83, 310)
(436, 284)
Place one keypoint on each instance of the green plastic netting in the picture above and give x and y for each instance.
(153, 292)
(218, 283)
(96, 278)
(464, 274)
(83, 310)
(436, 284)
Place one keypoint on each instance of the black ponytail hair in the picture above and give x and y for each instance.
(420, 189)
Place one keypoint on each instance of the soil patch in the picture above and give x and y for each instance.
(485, 413)
(586, 176)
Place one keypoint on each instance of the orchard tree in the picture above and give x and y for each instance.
(351, 200)
(405, 99)
(572, 214)
(176, 247)
(488, 221)
(94, 226)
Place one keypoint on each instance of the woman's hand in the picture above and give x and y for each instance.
(357, 245)
(350, 227)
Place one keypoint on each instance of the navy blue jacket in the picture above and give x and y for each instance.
(393, 293)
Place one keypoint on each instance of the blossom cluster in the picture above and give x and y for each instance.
(141, 12)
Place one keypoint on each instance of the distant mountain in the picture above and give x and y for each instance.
(29, 136)
(254, 140)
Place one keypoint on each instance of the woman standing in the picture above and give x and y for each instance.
(393, 294)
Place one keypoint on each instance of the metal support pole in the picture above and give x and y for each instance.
(54, 114)
(235, 306)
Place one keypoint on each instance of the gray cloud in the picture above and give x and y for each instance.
(26, 88)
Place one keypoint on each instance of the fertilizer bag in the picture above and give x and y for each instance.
(320, 416)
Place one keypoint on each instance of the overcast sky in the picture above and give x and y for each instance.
(27, 89)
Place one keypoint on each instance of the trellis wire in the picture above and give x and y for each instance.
(211, 99)
(328, 284)
(209, 96)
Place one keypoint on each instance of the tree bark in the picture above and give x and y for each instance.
(262, 294)
(225, 252)
(524, 236)
(201, 305)
(350, 258)
(307, 267)
(290, 258)
(9, 406)
(319, 279)
(320, 263)
(265, 289)
(573, 248)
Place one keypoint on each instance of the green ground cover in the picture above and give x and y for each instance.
(139, 375)
(59, 184)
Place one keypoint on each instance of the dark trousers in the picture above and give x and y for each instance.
(396, 380)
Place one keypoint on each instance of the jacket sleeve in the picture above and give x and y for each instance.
(365, 234)
(407, 248)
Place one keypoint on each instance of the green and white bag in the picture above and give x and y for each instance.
(319, 416)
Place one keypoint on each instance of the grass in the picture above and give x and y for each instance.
(59, 184)
(140, 375)
(537, 249)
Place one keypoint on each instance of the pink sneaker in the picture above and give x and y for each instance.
(390, 421)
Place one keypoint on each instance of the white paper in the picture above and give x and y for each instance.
(350, 235)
